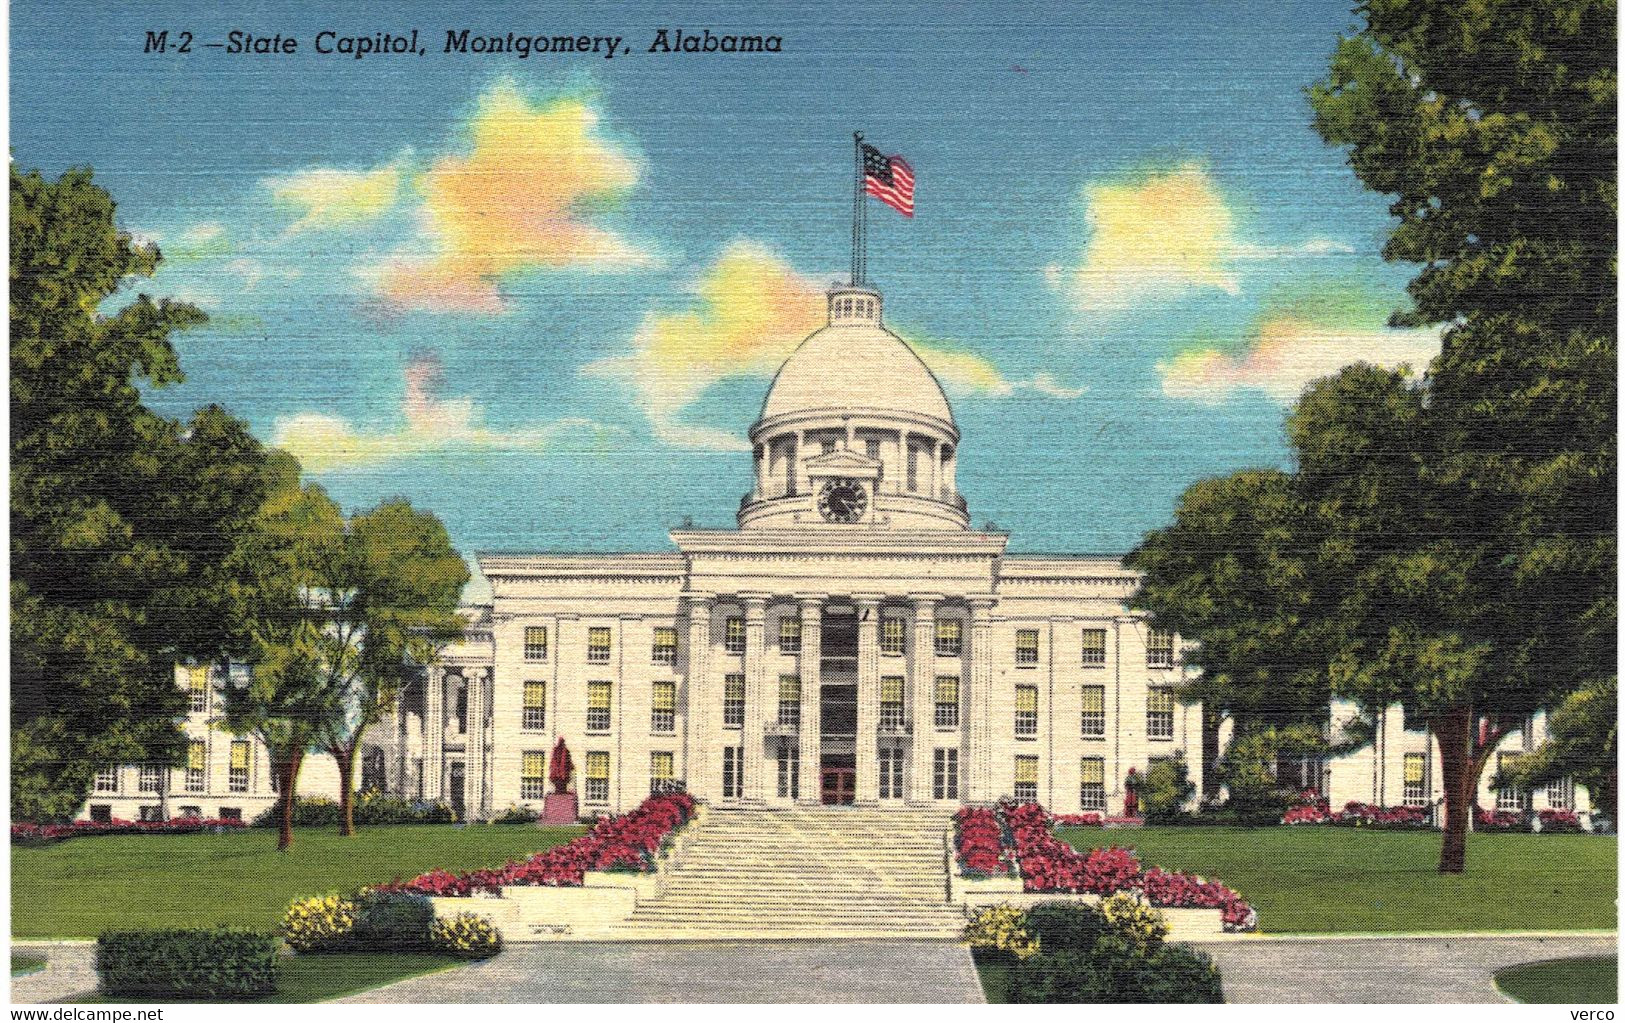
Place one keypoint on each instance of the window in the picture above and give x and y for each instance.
(197, 682)
(598, 777)
(462, 707)
(947, 701)
(533, 774)
(913, 468)
(828, 444)
(1416, 779)
(790, 700)
(1094, 712)
(152, 778)
(950, 641)
(733, 772)
(893, 631)
(535, 713)
(151, 813)
(662, 771)
(663, 707)
(790, 771)
(891, 702)
(1026, 646)
(945, 774)
(231, 813)
(1092, 783)
(1094, 647)
(1026, 790)
(733, 636)
(535, 642)
(374, 778)
(1509, 797)
(197, 759)
(1159, 712)
(891, 773)
(664, 650)
(598, 700)
(1560, 794)
(733, 701)
(598, 645)
(192, 812)
(1026, 711)
(107, 779)
(1159, 649)
(789, 635)
(237, 779)
(871, 447)
(101, 813)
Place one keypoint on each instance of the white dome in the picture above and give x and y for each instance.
(856, 366)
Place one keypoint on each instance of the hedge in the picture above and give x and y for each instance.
(198, 963)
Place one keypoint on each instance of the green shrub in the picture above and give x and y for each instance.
(201, 964)
(322, 923)
(515, 815)
(1180, 973)
(1133, 918)
(371, 807)
(1117, 969)
(1000, 929)
(466, 935)
(1164, 790)
(1065, 926)
(391, 921)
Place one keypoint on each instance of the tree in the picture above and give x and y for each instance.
(124, 523)
(391, 597)
(1493, 125)
(1231, 575)
(1582, 743)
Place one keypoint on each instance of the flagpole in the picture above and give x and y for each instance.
(857, 208)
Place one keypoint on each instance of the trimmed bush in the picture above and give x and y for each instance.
(201, 964)
(1066, 926)
(322, 923)
(1000, 929)
(370, 808)
(466, 935)
(387, 921)
(1132, 917)
(1117, 970)
(1164, 790)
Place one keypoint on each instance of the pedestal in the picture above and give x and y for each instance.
(559, 808)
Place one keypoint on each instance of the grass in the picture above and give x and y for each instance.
(23, 965)
(79, 888)
(1584, 980)
(317, 978)
(994, 973)
(1346, 880)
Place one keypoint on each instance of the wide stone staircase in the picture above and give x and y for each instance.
(826, 872)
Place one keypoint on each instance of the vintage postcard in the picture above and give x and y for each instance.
(1053, 502)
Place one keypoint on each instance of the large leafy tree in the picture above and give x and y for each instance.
(124, 523)
(1493, 126)
(1582, 743)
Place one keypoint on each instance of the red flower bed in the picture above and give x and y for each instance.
(629, 842)
(979, 842)
(1370, 815)
(1502, 820)
(1050, 865)
(25, 832)
(1079, 820)
(1559, 822)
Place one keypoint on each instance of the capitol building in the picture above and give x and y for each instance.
(852, 641)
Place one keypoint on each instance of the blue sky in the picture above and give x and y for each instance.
(543, 297)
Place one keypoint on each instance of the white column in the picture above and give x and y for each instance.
(474, 751)
(434, 733)
(923, 682)
(980, 726)
(703, 764)
(811, 661)
(867, 788)
(754, 735)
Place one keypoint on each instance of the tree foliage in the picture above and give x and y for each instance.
(125, 525)
(1582, 743)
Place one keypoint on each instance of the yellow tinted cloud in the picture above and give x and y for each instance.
(1285, 355)
(329, 198)
(751, 310)
(518, 200)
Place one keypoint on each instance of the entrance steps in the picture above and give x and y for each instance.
(806, 872)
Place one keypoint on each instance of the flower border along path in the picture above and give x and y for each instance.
(1008, 853)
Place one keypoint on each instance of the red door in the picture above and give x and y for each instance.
(838, 786)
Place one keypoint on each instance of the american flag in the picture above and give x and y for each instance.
(889, 179)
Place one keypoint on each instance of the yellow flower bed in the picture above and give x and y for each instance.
(468, 935)
(318, 924)
(1002, 928)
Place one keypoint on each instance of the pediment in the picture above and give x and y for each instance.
(843, 462)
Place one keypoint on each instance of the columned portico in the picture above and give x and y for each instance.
(922, 686)
(812, 676)
(868, 778)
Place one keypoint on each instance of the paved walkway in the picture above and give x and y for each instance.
(1358, 970)
(723, 971)
(70, 970)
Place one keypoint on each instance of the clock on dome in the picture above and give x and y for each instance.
(843, 500)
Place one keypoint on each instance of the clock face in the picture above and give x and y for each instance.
(842, 500)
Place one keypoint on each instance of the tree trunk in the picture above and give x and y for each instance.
(289, 771)
(1454, 729)
(1211, 719)
(345, 757)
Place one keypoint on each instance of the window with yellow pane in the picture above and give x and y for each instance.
(662, 771)
(891, 702)
(241, 751)
(535, 711)
(597, 776)
(532, 774)
(1026, 787)
(598, 703)
(1092, 783)
(663, 707)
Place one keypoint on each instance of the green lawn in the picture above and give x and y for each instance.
(1340, 880)
(79, 888)
(1586, 980)
(307, 979)
(21, 965)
